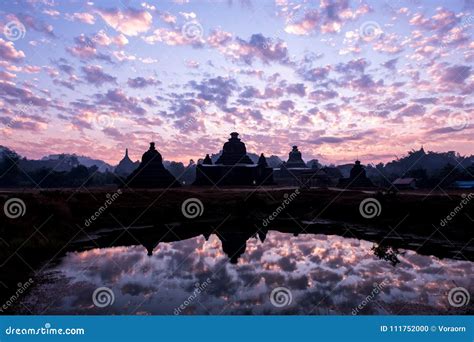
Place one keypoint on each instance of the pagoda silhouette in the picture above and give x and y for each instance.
(126, 166)
(295, 172)
(234, 167)
(357, 178)
(151, 173)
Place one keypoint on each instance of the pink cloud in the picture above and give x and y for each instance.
(130, 21)
(82, 17)
(9, 53)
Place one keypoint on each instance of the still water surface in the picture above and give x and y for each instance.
(325, 274)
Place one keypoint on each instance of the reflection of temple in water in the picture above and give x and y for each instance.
(234, 167)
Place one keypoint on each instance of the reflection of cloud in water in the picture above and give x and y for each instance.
(326, 274)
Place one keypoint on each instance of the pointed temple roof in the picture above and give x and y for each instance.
(151, 173)
(262, 161)
(207, 160)
(294, 159)
(126, 166)
(234, 152)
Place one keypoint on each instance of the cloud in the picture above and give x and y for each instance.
(16, 95)
(216, 90)
(323, 95)
(95, 75)
(129, 21)
(258, 47)
(9, 53)
(141, 82)
(456, 74)
(413, 110)
(390, 64)
(119, 102)
(297, 89)
(33, 23)
(85, 48)
(101, 38)
(330, 17)
(82, 17)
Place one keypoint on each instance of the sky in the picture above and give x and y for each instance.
(341, 79)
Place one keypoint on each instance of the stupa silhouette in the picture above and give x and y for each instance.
(357, 178)
(295, 172)
(151, 173)
(126, 166)
(234, 167)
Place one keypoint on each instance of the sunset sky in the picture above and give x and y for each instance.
(341, 79)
